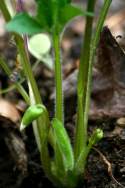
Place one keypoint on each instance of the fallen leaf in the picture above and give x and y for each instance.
(108, 90)
(9, 110)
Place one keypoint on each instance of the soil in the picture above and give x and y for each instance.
(96, 175)
(106, 163)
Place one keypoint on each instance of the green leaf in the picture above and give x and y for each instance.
(48, 13)
(52, 15)
(69, 12)
(41, 49)
(31, 114)
(63, 3)
(22, 23)
(64, 145)
(45, 13)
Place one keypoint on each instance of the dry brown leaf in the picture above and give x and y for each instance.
(9, 132)
(108, 91)
(9, 110)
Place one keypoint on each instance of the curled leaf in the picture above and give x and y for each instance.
(96, 136)
(31, 114)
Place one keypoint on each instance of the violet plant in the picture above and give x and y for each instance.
(66, 167)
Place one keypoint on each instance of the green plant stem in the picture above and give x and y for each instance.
(38, 127)
(94, 43)
(41, 126)
(5, 11)
(81, 127)
(27, 68)
(33, 89)
(58, 78)
(17, 85)
(25, 61)
(13, 86)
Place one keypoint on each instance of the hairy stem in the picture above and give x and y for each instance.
(58, 79)
(81, 127)
(94, 44)
(41, 125)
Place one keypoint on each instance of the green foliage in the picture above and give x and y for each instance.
(45, 13)
(67, 164)
(52, 15)
(67, 13)
(22, 23)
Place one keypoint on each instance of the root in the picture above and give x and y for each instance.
(109, 166)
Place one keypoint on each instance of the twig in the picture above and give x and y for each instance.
(109, 166)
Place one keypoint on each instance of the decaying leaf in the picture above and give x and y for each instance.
(9, 110)
(108, 91)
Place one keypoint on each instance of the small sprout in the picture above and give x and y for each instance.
(31, 114)
(96, 136)
(99, 135)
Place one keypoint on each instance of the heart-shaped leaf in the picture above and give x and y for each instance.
(69, 12)
(22, 23)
